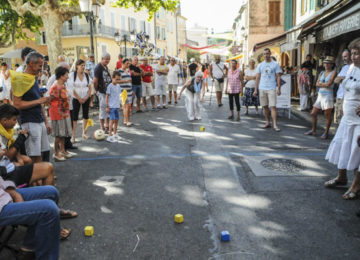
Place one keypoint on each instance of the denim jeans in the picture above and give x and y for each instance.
(41, 214)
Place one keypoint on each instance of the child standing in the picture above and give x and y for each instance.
(125, 84)
(112, 101)
(60, 114)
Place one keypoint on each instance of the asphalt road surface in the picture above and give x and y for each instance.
(265, 188)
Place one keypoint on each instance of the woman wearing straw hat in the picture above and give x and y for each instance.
(325, 99)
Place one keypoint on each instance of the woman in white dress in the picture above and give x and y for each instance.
(344, 150)
(248, 98)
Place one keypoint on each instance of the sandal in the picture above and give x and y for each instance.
(231, 117)
(335, 182)
(310, 132)
(350, 195)
(324, 136)
(266, 126)
(277, 129)
(65, 233)
(67, 213)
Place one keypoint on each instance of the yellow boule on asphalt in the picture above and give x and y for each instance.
(202, 128)
(89, 231)
(179, 218)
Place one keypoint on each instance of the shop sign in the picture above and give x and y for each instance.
(348, 24)
(69, 52)
(291, 41)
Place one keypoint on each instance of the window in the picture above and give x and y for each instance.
(163, 34)
(70, 25)
(123, 23)
(40, 38)
(112, 20)
(132, 24)
(148, 31)
(158, 32)
(142, 26)
(274, 13)
(102, 15)
(103, 49)
(304, 7)
(312, 5)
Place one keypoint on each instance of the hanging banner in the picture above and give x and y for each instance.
(199, 48)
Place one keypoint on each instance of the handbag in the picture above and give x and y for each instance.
(220, 80)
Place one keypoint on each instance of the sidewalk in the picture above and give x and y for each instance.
(306, 116)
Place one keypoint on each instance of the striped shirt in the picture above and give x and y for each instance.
(125, 75)
(234, 81)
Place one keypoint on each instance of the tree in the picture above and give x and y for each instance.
(192, 54)
(12, 25)
(54, 13)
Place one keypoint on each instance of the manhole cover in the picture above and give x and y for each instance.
(283, 165)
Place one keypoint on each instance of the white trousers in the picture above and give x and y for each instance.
(192, 105)
(304, 101)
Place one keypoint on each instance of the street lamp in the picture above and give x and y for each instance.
(124, 37)
(90, 8)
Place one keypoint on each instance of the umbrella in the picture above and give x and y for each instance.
(12, 54)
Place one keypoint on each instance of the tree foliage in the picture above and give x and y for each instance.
(13, 26)
(192, 54)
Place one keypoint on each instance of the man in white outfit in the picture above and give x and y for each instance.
(218, 70)
(173, 79)
(161, 82)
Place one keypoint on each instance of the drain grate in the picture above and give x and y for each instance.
(283, 165)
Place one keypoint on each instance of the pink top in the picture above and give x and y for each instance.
(234, 81)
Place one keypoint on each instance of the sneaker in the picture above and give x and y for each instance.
(164, 107)
(111, 139)
(117, 137)
(58, 158)
(169, 102)
(68, 155)
(159, 107)
(129, 124)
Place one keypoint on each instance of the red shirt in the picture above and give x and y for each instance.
(119, 64)
(146, 68)
(59, 105)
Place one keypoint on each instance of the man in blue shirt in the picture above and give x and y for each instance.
(268, 75)
(32, 114)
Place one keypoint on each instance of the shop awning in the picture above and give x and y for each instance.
(235, 58)
(272, 41)
(346, 22)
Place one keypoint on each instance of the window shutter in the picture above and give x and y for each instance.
(38, 38)
(277, 13)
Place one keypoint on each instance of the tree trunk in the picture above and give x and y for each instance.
(53, 22)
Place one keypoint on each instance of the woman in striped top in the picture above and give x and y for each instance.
(125, 84)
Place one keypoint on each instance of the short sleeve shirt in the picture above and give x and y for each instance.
(342, 73)
(90, 66)
(173, 74)
(135, 80)
(80, 86)
(192, 69)
(32, 114)
(104, 78)
(114, 92)
(146, 68)
(59, 106)
(160, 78)
(268, 71)
(124, 76)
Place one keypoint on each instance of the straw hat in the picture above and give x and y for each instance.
(329, 59)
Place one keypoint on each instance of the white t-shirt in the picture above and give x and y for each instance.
(173, 74)
(20, 69)
(160, 78)
(351, 85)
(81, 87)
(342, 73)
(250, 73)
(217, 70)
(114, 92)
(268, 71)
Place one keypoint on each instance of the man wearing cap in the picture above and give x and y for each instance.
(192, 67)
(218, 70)
(325, 99)
(89, 69)
(102, 79)
(147, 73)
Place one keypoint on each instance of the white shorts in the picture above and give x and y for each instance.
(172, 87)
(219, 87)
(102, 106)
(147, 89)
(161, 88)
(324, 101)
(268, 98)
(38, 141)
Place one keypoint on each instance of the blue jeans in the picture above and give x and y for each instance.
(41, 214)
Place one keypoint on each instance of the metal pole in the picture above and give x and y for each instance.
(91, 18)
(125, 38)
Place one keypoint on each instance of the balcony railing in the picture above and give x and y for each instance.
(84, 29)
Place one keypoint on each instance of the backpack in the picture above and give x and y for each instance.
(86, 75)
